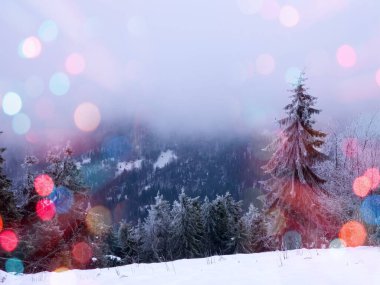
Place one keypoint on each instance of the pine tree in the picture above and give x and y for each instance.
(186, 228)
(128, 243)
(294, 200)
(156, 230)
(8, 209)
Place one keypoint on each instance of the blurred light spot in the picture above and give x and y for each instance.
(346, 56)
(289, 16)
(337, 243)
(21, 124)
(87, 117)
(378, 77)
(292, 240)
(63, 199)
(265, 64)
(12, 103)
(373, 175)
(45, 209)
(370, 210)
(75, 64)
(59, 83)
(353, 234)
(34, 86)
(250, 7)
(43, 184)
(61, 269)
(30, 48)
(137, 26)
(1, 223)
(48, 31)
(292, 75)
(350, 147)
(8, 240)
(14, 265)
(362, 186)
(98, 220)
(82, 252)
(270, 10)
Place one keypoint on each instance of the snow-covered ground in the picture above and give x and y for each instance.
(164, 159)
(344, 266)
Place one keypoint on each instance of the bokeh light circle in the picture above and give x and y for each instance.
(87, 117)
(346, 56)
(48, 31)
(98, 220)
(14, 265)
(21, 124)
(353, 234)
(370, 210)
(361, 186)
(1, 223)
(8, 240)
(377, 77)
(82, 252)
(59, 84)
(265, 64)
(43, 184)
(63, 199)
(45, 209)
(337, 243)
(289, 16)
(30, 48)
(12, 103)
(75, 64)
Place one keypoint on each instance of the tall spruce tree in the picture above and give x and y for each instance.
(8, 208)
(294, 199)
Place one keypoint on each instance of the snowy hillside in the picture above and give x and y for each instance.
(329, 266)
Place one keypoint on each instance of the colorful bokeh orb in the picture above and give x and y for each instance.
(43, 184)
(377, 77)
(270, 10)
(1, 223)
(30, 48)
(98, 220)
(362, 186)
(370, 210)
(265, 64)
(48, 31)
(14, 265)
(75, 64)
(12, 103)
(87, 117)
(45, 209)
(8, 240)
(346, 56)
(353, 234)
(62, 198)
(59, 84)
(289, 16)
(337, 243)
(373, 175)
(82, 252)
(21, 124)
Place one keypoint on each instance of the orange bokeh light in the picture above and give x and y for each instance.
(373, 175)
(353, 234)
(82, 252)
(1, 223)
(45, 209)
(8, 240)
(362, 186)
(44, 185)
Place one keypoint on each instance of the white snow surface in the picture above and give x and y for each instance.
(347, 266)
(128, 166)
(164, 159)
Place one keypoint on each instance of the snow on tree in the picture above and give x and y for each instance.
(156, 230)
(129, 243)
(253, 229)
(186, 229)
(295, 200)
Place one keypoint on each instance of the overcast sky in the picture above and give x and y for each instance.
(69, 67)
